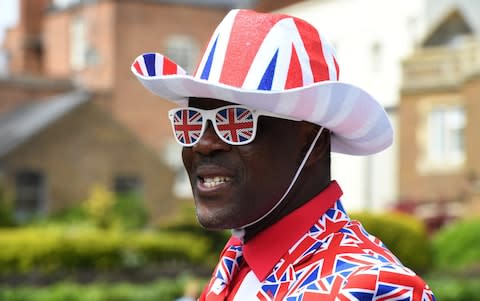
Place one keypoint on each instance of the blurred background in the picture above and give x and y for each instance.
(94, 202)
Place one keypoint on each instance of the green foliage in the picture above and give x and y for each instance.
(99, 206)
(129, 212)
(51, 249)
(160, 290)
(455, 289)
(102, 209)
(186, 223)
(404, 235)
(6, 210)
(457, 246)
(67, 216)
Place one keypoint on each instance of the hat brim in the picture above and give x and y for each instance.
(359, 124)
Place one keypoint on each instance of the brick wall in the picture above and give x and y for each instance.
(444, 185)
(143, 27)
(24, 43)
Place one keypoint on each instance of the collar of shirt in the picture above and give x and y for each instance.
(259, 253)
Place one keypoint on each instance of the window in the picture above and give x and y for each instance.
(446, 143)
(127, 185)
(65, 3)
(183, 50)
(30, 192)
(78, 43)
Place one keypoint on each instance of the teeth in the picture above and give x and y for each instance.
(212, 182)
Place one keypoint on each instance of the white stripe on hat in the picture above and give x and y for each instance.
(329, 56)
(343, 110)
(367, 126)
(321, 107)
(158, 64)
(221, 47)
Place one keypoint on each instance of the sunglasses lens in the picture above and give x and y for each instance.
(187, 125)
(235, 125)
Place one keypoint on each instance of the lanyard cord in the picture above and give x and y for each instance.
(239, 232)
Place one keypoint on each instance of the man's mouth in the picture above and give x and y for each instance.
(212, 182)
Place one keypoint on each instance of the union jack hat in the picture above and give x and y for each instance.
(280, 64)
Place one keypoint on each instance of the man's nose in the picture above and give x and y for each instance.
(210, 142)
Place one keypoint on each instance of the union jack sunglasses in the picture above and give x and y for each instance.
(234, 124)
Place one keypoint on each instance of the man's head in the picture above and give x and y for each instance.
(277, 64)
(234, 185)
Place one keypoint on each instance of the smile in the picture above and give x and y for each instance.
(212, 182)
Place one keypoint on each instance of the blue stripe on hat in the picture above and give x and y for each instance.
(208, 64)
(149, 59)
(267, 79)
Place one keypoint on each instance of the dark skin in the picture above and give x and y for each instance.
(251, 179)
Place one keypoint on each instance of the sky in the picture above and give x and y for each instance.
(8, 18)
(8, 15)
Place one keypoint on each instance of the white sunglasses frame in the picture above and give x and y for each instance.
(210, 115)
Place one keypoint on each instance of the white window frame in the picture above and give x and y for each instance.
(183, 50)
(78, 43)
(442, 138)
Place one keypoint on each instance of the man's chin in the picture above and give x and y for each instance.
(216, 222)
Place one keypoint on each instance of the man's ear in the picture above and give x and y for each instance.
(321, 151)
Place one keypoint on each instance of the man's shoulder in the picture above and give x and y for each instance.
(355, 265)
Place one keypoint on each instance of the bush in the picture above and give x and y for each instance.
(403, 234)
(160, 290)
(129, 211)
(102, 209)
(186, 223)
(6, 210)
(457, 246)
(52, 249)
(455, 289)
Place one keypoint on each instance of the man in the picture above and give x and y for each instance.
(257, 123)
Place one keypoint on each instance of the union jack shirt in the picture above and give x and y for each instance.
(314, 253)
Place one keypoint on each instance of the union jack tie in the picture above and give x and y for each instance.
(217, 289)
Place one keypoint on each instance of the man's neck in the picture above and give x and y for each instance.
(298, 196)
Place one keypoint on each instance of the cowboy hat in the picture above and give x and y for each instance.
(280, 64)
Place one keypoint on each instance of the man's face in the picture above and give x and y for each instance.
(235, 185)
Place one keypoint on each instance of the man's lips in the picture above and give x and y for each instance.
(212, 182)
(212, 178)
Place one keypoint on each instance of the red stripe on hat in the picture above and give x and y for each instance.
(136, 65)
(169, 67)
(294, 77)
(244, 44)
(313, 45)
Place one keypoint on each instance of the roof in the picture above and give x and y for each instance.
(437, 10)
(449, 19)
(20, 124)
(66, 4)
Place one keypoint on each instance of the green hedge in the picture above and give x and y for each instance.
(455, 289)
(162, 290)
(457, 246)
(403, 234)
(49, 249)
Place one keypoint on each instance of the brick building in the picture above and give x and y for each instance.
(61, 45)
(439, 119)
(55, 151)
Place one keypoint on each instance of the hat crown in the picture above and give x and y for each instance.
(280, 64)
(272, 52)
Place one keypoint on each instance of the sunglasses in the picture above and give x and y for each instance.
(234, 124)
